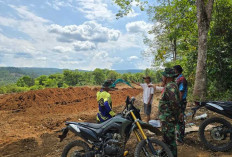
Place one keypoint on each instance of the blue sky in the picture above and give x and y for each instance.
(73, 34)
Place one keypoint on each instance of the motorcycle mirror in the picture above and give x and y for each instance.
(127, 101)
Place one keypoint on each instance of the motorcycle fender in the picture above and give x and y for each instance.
(64, 134)
(148, 127)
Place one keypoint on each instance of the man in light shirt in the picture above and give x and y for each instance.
(148, 93)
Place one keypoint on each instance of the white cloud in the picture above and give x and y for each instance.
(91, 9)
(7, 21)
(88, 31)
(27, 15)
(87, 46)
(132, 13)
(12, 45)
(84, 45)
(61, 49)
(102, 60)
(43, 50)
(95, 9)
(138, 27)
(131, 58)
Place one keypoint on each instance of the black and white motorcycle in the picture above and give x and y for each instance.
(216, 132)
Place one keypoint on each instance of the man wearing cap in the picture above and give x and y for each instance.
(169, 109)
(105, 102)
(183, 88)
(148, 93)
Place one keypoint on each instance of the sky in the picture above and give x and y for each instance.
(72, 34)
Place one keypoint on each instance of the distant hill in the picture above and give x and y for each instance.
(10, 75)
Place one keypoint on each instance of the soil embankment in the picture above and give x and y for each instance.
(33, 113)
(28, 121)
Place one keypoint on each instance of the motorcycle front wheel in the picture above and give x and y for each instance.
(215, 134)
(160, 148)
(75, 149)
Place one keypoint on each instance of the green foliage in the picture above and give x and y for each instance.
(126, 6)
(36, 87)
(72, 78)
(75, 78)
(219, 51)
(175, 29)
(99, 76)
(41, 80)
(112, 75)
(10, 75)
(176, 41)
(12, 89)
(25, 81)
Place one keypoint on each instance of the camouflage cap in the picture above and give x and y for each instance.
(169, 72)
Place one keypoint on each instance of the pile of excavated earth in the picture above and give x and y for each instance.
(29, 121)
(33, 113)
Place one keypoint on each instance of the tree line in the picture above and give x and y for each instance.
(75, 78)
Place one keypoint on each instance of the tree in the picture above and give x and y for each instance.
(125, 77)
(72, 78)
(174, 29)
(41, 80)
(25, 81)
(58, 79)
(99, 76)
(51, 83)
(204, 14)
(112, 75)
(219, 56)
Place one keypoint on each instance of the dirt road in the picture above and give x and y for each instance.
(29, 121)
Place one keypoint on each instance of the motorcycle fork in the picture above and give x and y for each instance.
(139, 126)
(143, 134)
(137, 135)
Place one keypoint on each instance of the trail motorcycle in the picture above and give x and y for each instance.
(109, 138)
(216, 133)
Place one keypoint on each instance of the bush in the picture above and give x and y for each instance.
(15, 89)
(25, 81)
(3, 90)
(36, 87)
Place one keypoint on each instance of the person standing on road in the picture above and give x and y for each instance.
(105, 103)
(183, 88)
(148, 93)
(169, 109)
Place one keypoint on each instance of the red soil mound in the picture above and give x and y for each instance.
(84, 98)
(30, 114)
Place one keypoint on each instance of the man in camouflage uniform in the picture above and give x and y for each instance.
(169, 109)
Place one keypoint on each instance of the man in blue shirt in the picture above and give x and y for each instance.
(183, 88)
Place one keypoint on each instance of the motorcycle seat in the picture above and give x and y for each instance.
(95, 125)
(227, 106)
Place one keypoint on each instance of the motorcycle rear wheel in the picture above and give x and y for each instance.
(81, 144)
(164, 151)
(202, 134)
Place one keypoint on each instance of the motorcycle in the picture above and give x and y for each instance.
(216, 132)
(110, 137)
